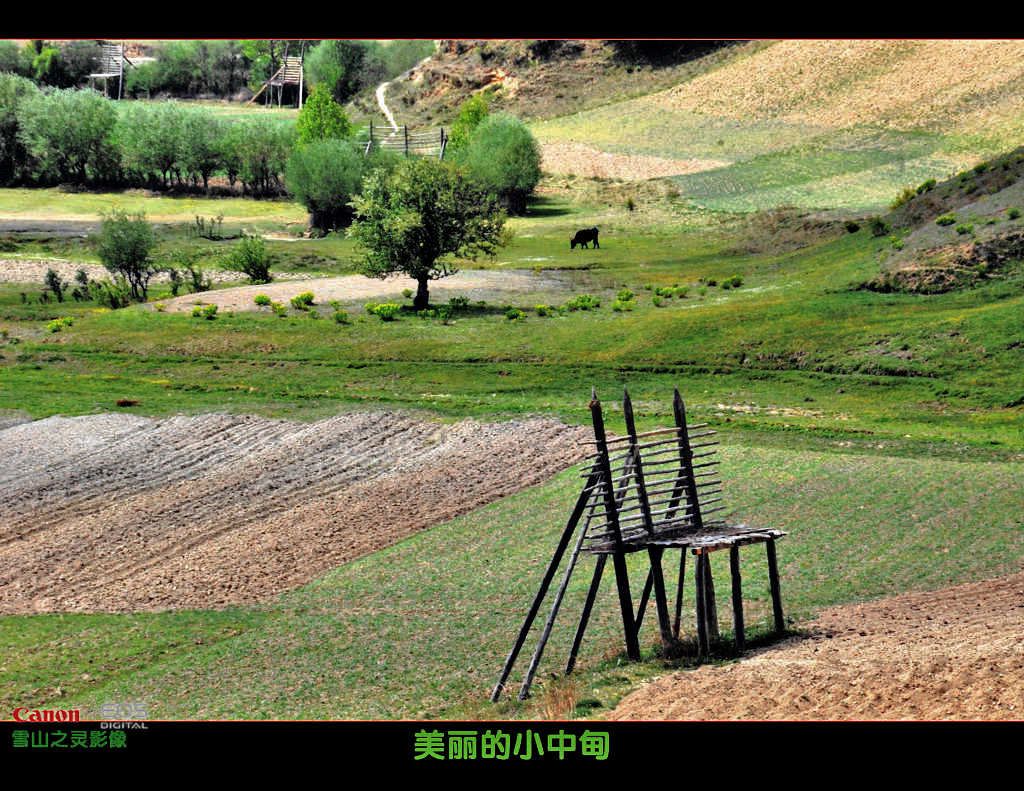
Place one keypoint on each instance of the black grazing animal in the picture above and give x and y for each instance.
(583, 237)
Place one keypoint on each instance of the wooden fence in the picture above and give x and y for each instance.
(427, 143)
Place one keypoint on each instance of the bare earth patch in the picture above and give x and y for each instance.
(955, 654)
(582, 160)
(113, 513)
(474, 285)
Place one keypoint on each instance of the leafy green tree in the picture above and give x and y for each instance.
(416, 218)
(70, 133)
(14, 157)
(151, 138)
(504, 158)
(125, 246)
(320, 118)
(471, 114)
(201, 145)
(324, 176)
(339, 65)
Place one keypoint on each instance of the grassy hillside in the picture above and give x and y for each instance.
(830, 124)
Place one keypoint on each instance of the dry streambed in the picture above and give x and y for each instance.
(119, 512)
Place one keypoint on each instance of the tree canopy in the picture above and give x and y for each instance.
(417, 217)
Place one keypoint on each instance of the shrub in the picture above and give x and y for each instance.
(111, 294)
(625, 295)
(324, 176)
(250, 257)
(620, 305)
(279, 310)
(55, 284)
(205, 311)
(903, 198)
(656, 300)
(1013, 214)
(926, 186)
(321, 118)
(125, 245)
(945, 219)
(59, 324)
(262, 300)
(371, 307)
(583, 302)
(503, 157)
(387, 311)
(544, 310)
(733, 282)
(341, 317)
(459, 303)
(964, 228)
(879, 227)
(514, 314)
(851, 226)
(472, 112)
(407, 293)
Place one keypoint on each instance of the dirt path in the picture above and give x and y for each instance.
(955, 654)
(120, 513)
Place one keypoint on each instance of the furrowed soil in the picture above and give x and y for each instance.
(954, 654)
(114, 513)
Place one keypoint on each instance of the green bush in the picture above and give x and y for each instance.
(59, 324)
(733, 282)
(945, 219)
(544, 310)
(208, 312)
(262, 300)
(387, 311)
(125, 245)
(321, 118)
(657, 301)
(583, 302)
(112, 294)
(341, 317)
(503, 157)
(1013, 214)
(15, 161)
(279, 310)
(71, 135)
(620, 305)
(514, 314)
(964, 228)
(879, 227)
(250, 257)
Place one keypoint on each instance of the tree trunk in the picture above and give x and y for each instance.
(422, 299)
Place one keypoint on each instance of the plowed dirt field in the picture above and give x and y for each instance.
(954, 654)
(117, 513)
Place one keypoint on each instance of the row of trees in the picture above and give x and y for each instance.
(79, 136)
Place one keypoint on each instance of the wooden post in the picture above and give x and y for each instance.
(524, 690)
(654, 553)
(737, 597)
(702, 624)
(570, 528)
(406, 130)
(710, 607)
(588, 605)
(773, 579)
(679, 593)
(611, 511)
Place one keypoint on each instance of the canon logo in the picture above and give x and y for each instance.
(46, 715)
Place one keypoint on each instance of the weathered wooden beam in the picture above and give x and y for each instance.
(563, 542)
(588, 605)
(679, 593)
(701, 602)
(618, 557)
(773, 580)
(737, 598)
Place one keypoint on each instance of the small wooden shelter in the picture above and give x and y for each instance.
(646, 494)
(112, 64)
(290, 73)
